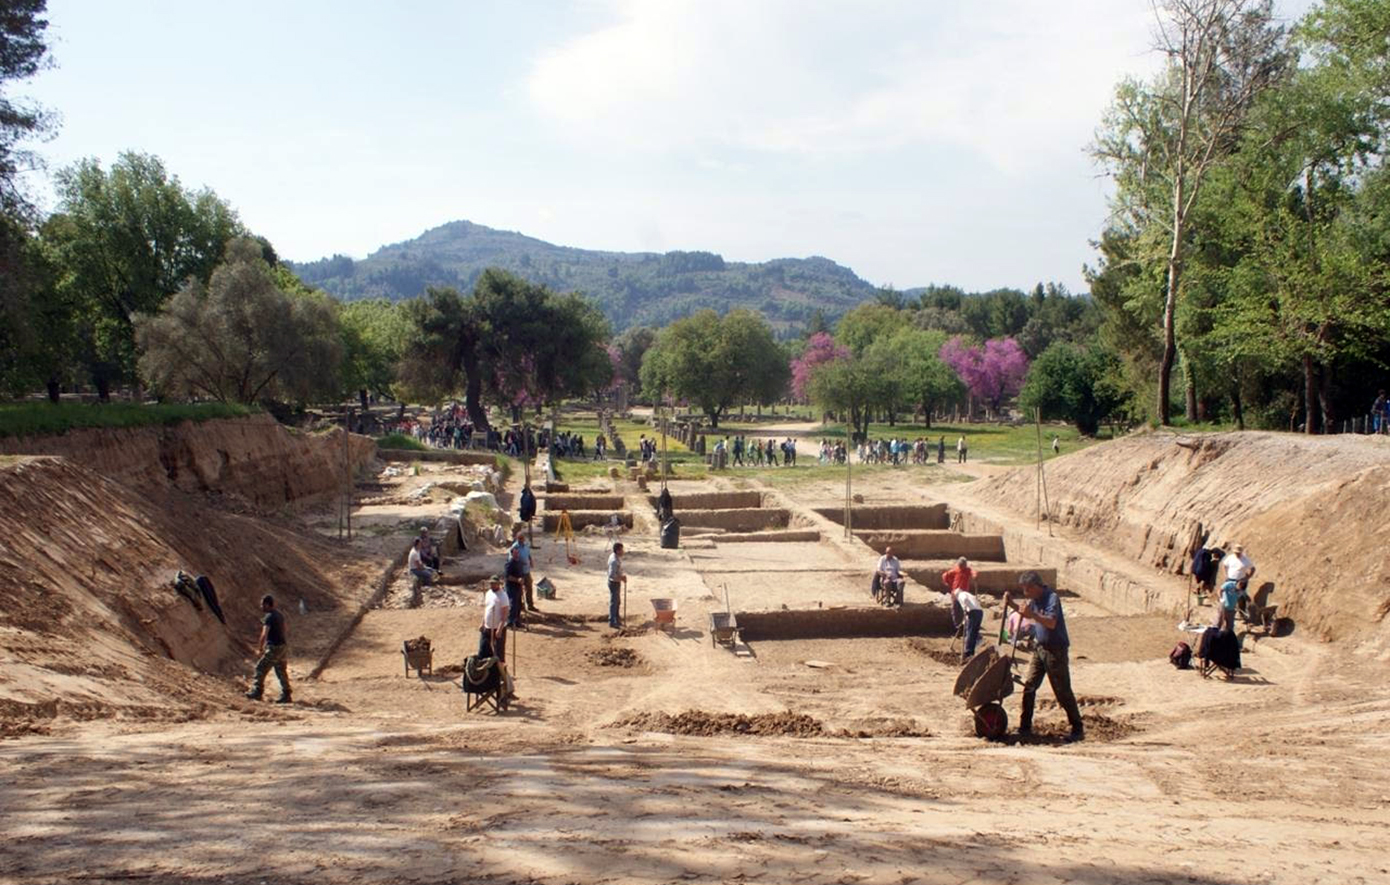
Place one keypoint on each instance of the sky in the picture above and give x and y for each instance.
(917, 142)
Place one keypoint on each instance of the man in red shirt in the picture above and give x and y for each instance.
(962, 577)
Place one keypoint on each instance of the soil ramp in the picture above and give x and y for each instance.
(1307, 509)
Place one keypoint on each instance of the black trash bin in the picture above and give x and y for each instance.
(671, 533)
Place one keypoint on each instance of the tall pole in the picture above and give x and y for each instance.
(849, 494)
(665, 458)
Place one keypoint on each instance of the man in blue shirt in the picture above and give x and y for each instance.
(1044, 609)
(523, 553)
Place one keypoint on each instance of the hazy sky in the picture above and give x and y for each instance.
(916, 141)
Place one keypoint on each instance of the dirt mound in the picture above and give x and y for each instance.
(703, 724)
(1304, 507)
(615, 657)
(937, 652)
(254, 458)
(880, 726)
(90, 621)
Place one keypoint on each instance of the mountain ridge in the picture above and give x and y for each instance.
(631, 288)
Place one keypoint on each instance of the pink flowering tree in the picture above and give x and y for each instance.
(992, 373)
(820, 349)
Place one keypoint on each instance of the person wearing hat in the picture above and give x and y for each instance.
(492, 635)
(1044, 609)
(1236, 569)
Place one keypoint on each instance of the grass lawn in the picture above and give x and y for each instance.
(994, 443)
(44, 418)
(401, 441)
(581, 472)
(811, 471)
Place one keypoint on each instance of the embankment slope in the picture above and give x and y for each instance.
(89, 622)
(1309, 511)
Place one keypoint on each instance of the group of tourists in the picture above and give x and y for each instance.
(901, 451)
(741, 451)
(832, 452)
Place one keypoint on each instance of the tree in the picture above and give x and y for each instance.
(631, 346)
(927, 381)
(441, 353)
(241, 338)
(866, 324)
(510, 341)
(820, 349)
(1161, 141)
(1075, 384)
(991, 373)
(716, 362)
(125, 241)
(374, 336)
(22, 53)
(849, 387)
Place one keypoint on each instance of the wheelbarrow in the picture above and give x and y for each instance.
(418, 656)
(984, 681)
(664, 613)
(723, 629)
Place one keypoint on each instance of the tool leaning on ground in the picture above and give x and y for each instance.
(984, 681)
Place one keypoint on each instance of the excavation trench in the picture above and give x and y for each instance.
(904, 516)
(846, 623)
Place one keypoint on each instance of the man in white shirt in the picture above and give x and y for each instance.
(492, 636)
(889, 577)
(974, 617)
(616, 579)
(416, 564)
(1236, 571)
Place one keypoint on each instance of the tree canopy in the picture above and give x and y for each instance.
(241, 338)
(716, 362)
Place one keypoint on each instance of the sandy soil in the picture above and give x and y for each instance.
(650, 756)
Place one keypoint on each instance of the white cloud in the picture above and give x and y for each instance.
(1011, 81)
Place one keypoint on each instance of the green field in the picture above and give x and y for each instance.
(47, 419)
(401, 441)
(994, 443)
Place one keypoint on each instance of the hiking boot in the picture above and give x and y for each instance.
(283, 699)
(1074, 737)
(1025, 731)
(253, 696)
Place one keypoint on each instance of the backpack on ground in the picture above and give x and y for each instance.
(1181, 656)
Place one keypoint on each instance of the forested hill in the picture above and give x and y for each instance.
(632, 288)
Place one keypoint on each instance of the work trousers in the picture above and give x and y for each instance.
(615, 598)
(492, 648)
(973, 620)
(514, 594)
(530, 590)
(274, 658)
(1052, 663)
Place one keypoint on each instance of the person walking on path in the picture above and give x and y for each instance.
(941, 450)
(1044, 609)
(524, 554)
(516, 586)
(1056, 445)
(960, 450)
(273, 650)
(616, 579)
